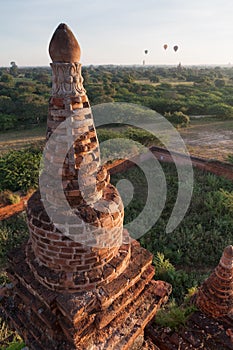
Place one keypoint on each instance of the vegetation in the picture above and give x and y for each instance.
(19, 170)
(230, 158)
(12, 233)
(181, 280)
(173, 316)
(197, 243)
(24, 92)
(127, 142)
(7, 197)
(9, 340)
(178, 119)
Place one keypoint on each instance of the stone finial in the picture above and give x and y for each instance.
(63, 46)
(215, 296)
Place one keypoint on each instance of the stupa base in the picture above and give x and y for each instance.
(112, 316)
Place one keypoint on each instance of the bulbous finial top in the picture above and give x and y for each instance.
(63, 46)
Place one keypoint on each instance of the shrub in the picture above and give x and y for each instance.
(13, 232)
(227, 200)
(173, 316)
(162, 265)
(7, 121)
(178, 119)
(7, 197)
(142, 136)
(220, 110)
(12, 340)
(181, 281)
(230, 158)
(19, 170)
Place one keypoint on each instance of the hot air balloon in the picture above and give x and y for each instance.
(146, 52)
(165, 47)
(175, 48)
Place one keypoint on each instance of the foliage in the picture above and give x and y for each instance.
(14, 69)
(178, 119)
(7, 197)
(23, 101)
(230, 158)
(7, 121)
(6, 78)
(173, 316)
(221, 110)
(123, 142)
(219, 83)
(4, 279)
(162, 265)
(172, 89)
(227, 199)
(12, 233)
(206, 229)
(181, 281)
(141, 136)
(19, 170)
(18, 344)
(9, 339)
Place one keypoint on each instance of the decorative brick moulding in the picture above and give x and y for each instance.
(80, 282)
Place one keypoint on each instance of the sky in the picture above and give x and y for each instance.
(119, 31)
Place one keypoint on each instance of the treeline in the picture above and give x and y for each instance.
(193, 91)
(24, 97)
(24, 92)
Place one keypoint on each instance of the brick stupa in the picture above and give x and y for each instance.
(215, 296)
(80, 282)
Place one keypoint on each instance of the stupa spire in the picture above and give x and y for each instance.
(80, 282)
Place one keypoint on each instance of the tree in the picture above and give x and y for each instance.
(221, 110)
(154, 79)
(6, 78)
(7, 121)
(219, 83)
(14, 69)
(178, 119)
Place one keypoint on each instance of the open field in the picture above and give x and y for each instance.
(206, 137)
(165, 81)
(21, 138)
(209, 138)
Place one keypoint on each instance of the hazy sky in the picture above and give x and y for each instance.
(118, 31)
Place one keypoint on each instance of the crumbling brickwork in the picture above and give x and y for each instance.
(80, 282)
